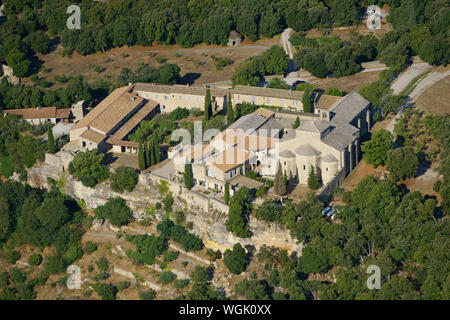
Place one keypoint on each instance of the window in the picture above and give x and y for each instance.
(156, 96)
(147, 95)
(239, 97)
(285, 163)
(327, 168)
(166, 97)
(268, 100)
(281, 102)
(304, 167)
(253, 99)
(198, 99)
(181, 97)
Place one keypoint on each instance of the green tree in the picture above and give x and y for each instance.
(314, 182)
(278, 83)
(402, 163)
(227, 192)
(105, 291)
(141, 157)
(306, 101)
(88, 168)
(156, 151)
(296, 124)
(124, 178)
(278, 182)
(51, 140)
(207, 114)
(375, 150)
(239, 209)
(116, 210)
(230, 113)
(187, 176)
(35, 259)
(235, 260)
(18, 62)
(333, 91)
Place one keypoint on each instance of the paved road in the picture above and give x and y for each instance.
(427, 82)
(407, 76)
(287, 45)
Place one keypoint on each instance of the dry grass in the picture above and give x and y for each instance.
(436, 99)
(349, 83)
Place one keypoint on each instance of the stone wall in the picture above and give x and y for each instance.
(208, 215)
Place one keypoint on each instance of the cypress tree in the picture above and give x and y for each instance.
(51, 140)
(227, 192)
(157, 151)
(314, 182)
(141, 157)
(187, 176)
(230, 113)
(208, 107)
(296, 124)
(279, 183)
(152, 154)
(147, 155)
(306, 100)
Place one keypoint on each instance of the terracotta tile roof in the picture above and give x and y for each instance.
(63, 113)
(194, 152)
(230, 159)
(134, 120)
(255, 142)
(34, 113)
(264, 112)
(105, 115)
(93, 136)
(180, 89)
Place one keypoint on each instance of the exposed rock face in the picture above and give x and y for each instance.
(207, 215)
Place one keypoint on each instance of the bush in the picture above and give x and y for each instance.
(102, 264)
(124, 178)
(18, 276)
(35, 259)
(166, 277)
(178, 114)
(105, 291)
(116, 210)
(180, 283)
(123, 285)
(90, 247)
(101, 276)
(179, 234)
(147, 295)
(12, 256)
(88, 168)
(402, 163)
(196, 112)
(235, 260)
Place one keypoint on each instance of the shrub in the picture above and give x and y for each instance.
(123, 285)
(116, 210)
(101, 276)
(12, 256)
(124, 178)
(180, 283)
(88, 168)
(90, 247)
(102, 264)
(196, 112)
(179, 113)
(166, 277)
(105, 291)
(18, 276)
(35, 259)
(235, 260)
(147, 295)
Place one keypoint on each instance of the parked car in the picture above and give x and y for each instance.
(296, 83)
(325, 211)
(330, 213)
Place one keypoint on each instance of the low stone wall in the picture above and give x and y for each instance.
(326, 191)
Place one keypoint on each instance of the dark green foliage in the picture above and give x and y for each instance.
(230, 113)
(180, 234)
(207, 112)
(180, 283)
(239, 210)
(278, 182)
(201, 287)
(333, 91)
(105, 291)
(166, 277)
(235, 260)
(12, 256)
(227, 192)
(90, 247)
(178, 114)
(116, 210)
(402, 163)
(35, 259)
(306, 101)
(375, 150)
(314, 181)
(187, 176)
(269, 210)
(51, 140)
(88, 168)
(148, 247)
(296, 124)
(141, 157)
(147, 295)
(124, 178)
(102, 264)
(278, 83)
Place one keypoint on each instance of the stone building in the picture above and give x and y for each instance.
(234, 38)
(36, 116)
